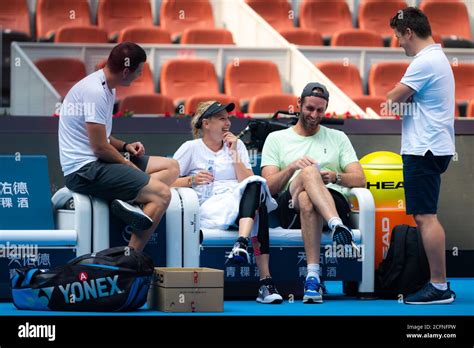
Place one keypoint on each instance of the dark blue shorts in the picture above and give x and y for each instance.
(422, 181)
(110, 180)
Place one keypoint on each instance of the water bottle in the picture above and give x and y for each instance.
(208, 190)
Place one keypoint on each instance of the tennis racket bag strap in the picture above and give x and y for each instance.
(115, 279)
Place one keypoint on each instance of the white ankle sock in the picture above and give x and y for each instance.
(313, 270)
(333, 222)
(440, 286)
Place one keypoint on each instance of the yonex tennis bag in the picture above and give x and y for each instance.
(115, 279)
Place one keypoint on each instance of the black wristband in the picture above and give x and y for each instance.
(124, 147)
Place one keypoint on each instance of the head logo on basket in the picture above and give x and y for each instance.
(94, 288)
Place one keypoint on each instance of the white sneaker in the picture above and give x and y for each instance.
(131, 215)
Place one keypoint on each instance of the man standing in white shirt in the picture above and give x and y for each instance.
(91, 158)
(427, 141)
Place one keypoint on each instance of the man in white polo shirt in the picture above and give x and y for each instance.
(91, 158)
(427, 141)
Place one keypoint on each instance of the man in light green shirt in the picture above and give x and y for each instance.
(311, 168)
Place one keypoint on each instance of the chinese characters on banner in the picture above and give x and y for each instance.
(14, 195)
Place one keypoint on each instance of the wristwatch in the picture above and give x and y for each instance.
(338, 178)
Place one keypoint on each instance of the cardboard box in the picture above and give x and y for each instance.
(187, 290)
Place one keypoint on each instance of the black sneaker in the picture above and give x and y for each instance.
(342, 235)
(267, 293)
(239, 254)
(430, 295)
(131, 215)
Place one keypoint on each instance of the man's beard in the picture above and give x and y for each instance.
(309, 125)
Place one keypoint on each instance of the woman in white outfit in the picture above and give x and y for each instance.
(215, 164)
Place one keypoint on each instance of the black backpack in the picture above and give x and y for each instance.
(405, 269)
(115, 279)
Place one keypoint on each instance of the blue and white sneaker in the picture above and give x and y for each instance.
(430, 295)
(313, 291)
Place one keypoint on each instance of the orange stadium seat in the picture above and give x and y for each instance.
(384, 76)
(213, 36)
(87, 34)
(54, 14)
(193, 101)
(14, 16)
(303, 37)
(271, 103)
(178, 15)
(346, 77)
(448, 18)
(183, 78)
(470, 109)
(436, 37)
(62, 73)
(115, 15)
(147, 104)
(250, 78)
(145, 35)
(143, 85)
(464, 81)
(325, 16)
(277, 13)
(357, 37)
(376, 15)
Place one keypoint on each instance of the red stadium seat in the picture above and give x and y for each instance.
(448, 18)
(325, 16)
(271, 103)
(250, 78)
(277, 13)
(143, 35)
(376, 15)
(345, 76)
(87, 34)
(115, 15)
(178, 15)
(62, 73)
(464, 81)
(147, 104)
(192, 102)
(384, 76)
(213, 36)
(54, 14)
(303, 37)
(183, 78)
(14, 16)
(357, 37)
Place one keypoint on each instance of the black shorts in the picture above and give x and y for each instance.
(422, 181)
(110, 180)
(290, 218)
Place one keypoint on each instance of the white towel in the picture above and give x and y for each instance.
(221, 210)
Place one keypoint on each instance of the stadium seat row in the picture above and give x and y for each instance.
(252, 83)
(332, 19)
(113, 16)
